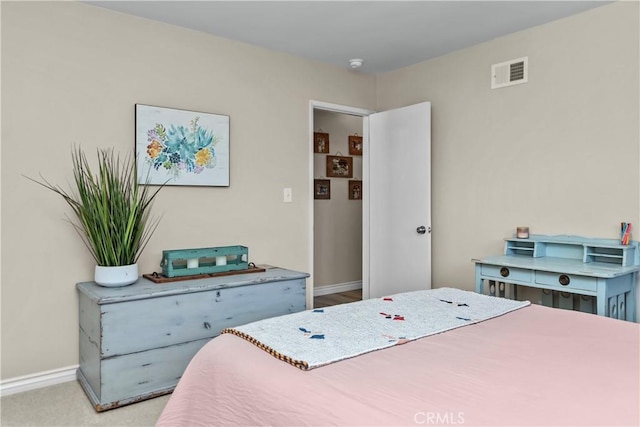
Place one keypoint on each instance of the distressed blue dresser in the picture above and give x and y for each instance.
(573, 272)
(136, 341)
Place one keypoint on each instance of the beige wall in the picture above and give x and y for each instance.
(559, 153)
(337, 221)
(71, 73)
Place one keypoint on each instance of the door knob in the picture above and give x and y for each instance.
(421, 230)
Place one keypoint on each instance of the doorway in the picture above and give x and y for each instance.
(337, 203)
(396, 198)
(336, 214)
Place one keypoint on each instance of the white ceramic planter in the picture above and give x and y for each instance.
(116, 276)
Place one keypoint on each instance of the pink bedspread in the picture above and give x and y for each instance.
(536, 366)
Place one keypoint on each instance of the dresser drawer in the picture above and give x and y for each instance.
(149, 371)
(562, 281)
(140, 325)
(505, 274)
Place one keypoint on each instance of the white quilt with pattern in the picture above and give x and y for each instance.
(315, 338)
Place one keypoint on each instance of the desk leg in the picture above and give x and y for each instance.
(513, 291)
(601, 299)
(631, 303)
(479, 281)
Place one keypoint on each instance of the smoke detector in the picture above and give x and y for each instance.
(355, 63)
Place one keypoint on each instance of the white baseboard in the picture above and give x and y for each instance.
(39, 380)
(334, 289)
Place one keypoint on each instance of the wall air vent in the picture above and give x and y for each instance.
(509, 73)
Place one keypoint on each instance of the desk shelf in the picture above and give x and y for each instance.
(573, 247)
(521, 247)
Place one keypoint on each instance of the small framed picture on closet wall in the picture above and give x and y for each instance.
(321, 189)
(355, 145)
(320, 142)
(339, 167)
(355, 190)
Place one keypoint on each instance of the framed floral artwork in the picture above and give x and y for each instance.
(320, 142)
(181, 147)
(340, 167)
(322, 189)
(355, 145)
(355, 190)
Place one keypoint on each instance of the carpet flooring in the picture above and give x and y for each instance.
(67, 405)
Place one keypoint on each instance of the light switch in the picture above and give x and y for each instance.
(288, 195)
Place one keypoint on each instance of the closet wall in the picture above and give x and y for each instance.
(338, 220)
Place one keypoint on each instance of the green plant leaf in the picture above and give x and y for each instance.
(111, 210)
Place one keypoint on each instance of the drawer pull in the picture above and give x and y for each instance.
(207, 325)
(564, 280)
(504, 272)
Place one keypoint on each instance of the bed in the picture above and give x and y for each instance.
(529, 366)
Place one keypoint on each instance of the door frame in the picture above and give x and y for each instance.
(353, 111)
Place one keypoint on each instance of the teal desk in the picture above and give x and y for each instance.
(586, 274)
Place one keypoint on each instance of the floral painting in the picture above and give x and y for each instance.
(180, 147)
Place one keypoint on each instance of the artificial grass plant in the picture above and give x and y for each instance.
(111, 209)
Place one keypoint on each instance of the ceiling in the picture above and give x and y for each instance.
(386, 34)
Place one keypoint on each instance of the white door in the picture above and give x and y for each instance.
(399, 201)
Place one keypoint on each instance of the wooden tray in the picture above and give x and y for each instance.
(161, 278)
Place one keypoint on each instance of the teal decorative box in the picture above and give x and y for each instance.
(190, 262)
